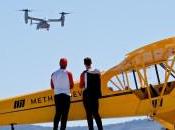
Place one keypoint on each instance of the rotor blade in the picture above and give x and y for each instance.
(27, 10)
(64, 13)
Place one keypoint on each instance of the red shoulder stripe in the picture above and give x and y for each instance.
(70, 79)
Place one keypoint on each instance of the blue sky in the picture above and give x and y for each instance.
(103, 30)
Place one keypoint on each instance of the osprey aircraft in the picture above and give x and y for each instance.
(42, 23)
(143, 81)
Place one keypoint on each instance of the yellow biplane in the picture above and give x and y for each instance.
(143, 84)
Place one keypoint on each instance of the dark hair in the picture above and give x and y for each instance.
(87, 61)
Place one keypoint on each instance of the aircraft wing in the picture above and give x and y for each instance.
(36, 19)
(143, 57)
(54, 20)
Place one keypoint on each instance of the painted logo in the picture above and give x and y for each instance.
(19, 103)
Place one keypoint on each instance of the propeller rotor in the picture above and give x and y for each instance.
(26, 10)
(64, 13)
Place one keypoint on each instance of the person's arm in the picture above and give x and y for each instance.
(51, 83)
(71, 80)
(82, 81)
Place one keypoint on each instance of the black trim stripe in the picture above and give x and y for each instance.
(107, 96)
(117, 94)
(26, 109)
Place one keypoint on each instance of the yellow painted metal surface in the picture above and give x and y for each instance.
(39, 107)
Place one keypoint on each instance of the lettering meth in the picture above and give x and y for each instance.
(39, 100)
(47, 99)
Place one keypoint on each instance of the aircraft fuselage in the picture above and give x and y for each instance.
(43, 25)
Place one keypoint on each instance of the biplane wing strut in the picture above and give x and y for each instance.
(138, 62)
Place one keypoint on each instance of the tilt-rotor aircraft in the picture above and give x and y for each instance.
(43, 23)
(143, 84)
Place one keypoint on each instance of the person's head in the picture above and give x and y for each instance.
(87, 62)
(63, 63)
